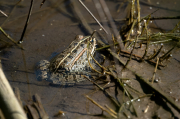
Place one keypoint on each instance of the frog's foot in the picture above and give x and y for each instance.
(67, 79)
(63, 79)
(42, 70)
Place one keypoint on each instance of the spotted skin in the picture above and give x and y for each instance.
(70, 66)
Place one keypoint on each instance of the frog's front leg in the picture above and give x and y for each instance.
(43, 70)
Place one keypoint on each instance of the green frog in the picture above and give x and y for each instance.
(70, 66)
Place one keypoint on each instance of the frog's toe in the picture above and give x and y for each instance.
(42, 70)
(43, 64)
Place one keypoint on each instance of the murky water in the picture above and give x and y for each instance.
(52, 28)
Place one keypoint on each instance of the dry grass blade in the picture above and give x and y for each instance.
(111, 21)
(155, 54)
(112, 98)
(175, 27)
(137, 56)
(130, 31)
(111, 110)
(131, 52)
(125, 90)
(10, 38)
(93, 17)
(139, 15)
(103, 109)
(3, 13)
(160, 18)
(147, 42)
(166, 54)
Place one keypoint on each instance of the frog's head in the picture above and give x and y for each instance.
(84, 40)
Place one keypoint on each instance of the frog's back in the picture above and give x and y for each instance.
(70, 66)
(66, 59)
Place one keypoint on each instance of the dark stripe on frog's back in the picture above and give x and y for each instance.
(69, 48)
(74, 54)
(59, 57)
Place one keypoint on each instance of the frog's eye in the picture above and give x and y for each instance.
(74, 51)
(82, 45)
(65, 61)
(75, 44)
(91, 40)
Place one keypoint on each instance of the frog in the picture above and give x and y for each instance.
(70, 66)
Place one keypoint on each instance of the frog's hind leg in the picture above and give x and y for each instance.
(62, 79)
(42, 70)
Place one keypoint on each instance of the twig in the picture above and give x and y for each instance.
(127, 38)
(101, 88)
(154, 73)
(93, 33)
(151, 18)
(93, 16)
(4, 41)
(93, 67)
(121, 4)
(147, 42)
(166, 54)
(143, 96)
(99, 64)
(139, 15)
(93, 59)
(42, 111)
(160, 18)
(156, 54)
(27, 21)
(131, 52)
(134, 90)
(10, 38)
(146, 25)
(164, 41)
(103, 109)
